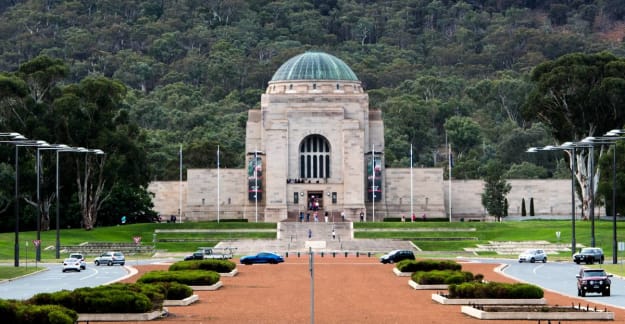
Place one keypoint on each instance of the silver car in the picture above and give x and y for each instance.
(71, 264)
(79, 256)
(532, 256)
(110, 258)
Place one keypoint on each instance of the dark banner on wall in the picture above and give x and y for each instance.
(374, 178)
(255, 178)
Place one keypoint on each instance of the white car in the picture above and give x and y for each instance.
(533, 256)
(83, 264)
(71, 264)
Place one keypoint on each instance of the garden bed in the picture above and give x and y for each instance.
(120, 317)
(181, 302)
(417, 286)
(487, 301)
(557, 313)
(216, 286)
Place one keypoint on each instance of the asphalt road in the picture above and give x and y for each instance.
(560, 277)
(52, 278)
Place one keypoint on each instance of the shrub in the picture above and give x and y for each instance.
(175, 290)
(188, 277)
(495, 290)
(221, 266)
(101, 299)
(45, 314)
(427, 265)
(436, 277)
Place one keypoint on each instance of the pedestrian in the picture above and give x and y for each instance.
(309, 233)
(403, 218)
(316, 217)
(423, 217)
(343, 215)
(333, 234)
(301, 216)
(326, 216)
(307, 217)
(414, 218)
(362, 216)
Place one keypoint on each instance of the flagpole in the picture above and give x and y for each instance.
(449, 157)
(180, 187)
(256, 185)
(411, 194)
(373, 177)
(217, 183)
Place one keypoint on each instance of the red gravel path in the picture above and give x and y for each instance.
(347, 290)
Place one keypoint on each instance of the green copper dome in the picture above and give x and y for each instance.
(314, 66)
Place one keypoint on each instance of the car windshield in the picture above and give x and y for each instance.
(594, 273)
(530, 252)
(589, 251)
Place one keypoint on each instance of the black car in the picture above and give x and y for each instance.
(589, 256)
(593, 281)
(396, 256)
(195, 256)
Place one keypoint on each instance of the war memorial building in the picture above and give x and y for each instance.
(315, 145)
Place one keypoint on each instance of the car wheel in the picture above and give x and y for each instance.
(532, 260)
(577, 261)
(606, 293)
(63, 270)
(272, 261)
(545, 260)
(520, 261)
(97, 263)
(601, 261)
(579, 292)
(121, 264)
(110, 263)
(583, 293)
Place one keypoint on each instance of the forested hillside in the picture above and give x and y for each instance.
(440, 71)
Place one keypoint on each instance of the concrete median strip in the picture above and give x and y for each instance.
(120, 317)
(556, 314)
(181, 302)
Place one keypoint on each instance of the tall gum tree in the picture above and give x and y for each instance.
(579, 95)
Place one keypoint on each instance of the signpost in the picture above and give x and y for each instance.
(36, 243)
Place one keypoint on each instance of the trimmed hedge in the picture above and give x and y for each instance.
(187, 277)
(16, 312)
(221, 266)
(104, 299)
(437, 277)
(495, 290)
(427, 265)
(156, 291)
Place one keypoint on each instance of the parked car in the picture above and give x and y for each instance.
(71, 264)
(195, 256)
(396, 256)
(79, 256)
(262, 257)
(593, 281)
(532, 256)
(589, 256)
(110, 258)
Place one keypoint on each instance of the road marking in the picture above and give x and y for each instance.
(95, 272)
(538, 267)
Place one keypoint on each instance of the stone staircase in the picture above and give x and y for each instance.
(97, 248)
(510, 247)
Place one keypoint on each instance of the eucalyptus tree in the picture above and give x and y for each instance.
(576, 96)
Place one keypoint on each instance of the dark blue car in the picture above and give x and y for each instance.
(262, 257)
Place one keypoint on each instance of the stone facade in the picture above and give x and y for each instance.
(315, 140)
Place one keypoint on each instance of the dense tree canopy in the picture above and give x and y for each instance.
(141, 79)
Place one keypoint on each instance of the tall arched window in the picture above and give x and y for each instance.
(314, 157)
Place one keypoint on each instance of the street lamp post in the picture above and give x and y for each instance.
(62, 148)
(572, 149)
(38, 167)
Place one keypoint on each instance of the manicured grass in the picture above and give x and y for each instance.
(528, 230)
(125, 234)
(8, 272)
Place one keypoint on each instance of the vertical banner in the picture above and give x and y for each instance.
(255, 178)
(374, 178)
